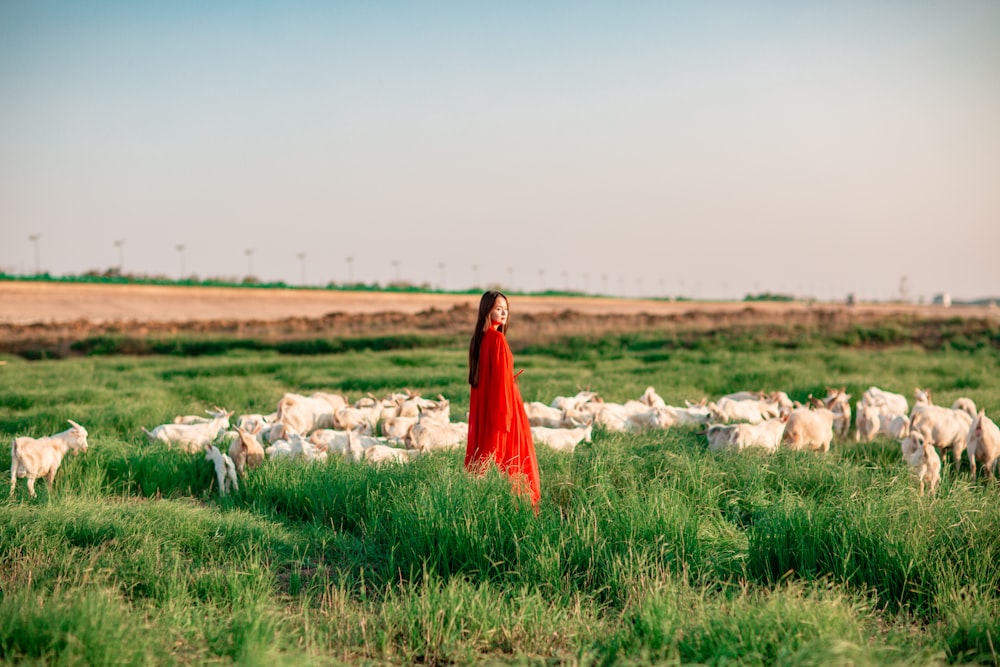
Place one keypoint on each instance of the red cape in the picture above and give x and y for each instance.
(498, 425)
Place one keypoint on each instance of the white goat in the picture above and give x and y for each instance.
(191, 437)
(395, 428)
(737, 437)
(225, 470)
(721, 437)
(381, 454)
(839, 403)
(305, 414)
(923, 460)
(562, 439)
(41, 457)
(965, 405)
(894, 404)
(752, 411)
(812, 429)
(332, 440)
(574, 402)
(433, 435)
(943, 428)
(983, 444)
(294, 447)
(869, 422)
(652, 399)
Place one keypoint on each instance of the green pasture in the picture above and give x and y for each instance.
(647, 549)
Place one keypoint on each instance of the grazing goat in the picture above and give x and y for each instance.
(943, 428)
(380, 454)
(350, 418)
(752, 411)
(433, 435)
(245, 451)
(333, 440)
(983, 444)
(191, 437)
(394, 429)
(41, 457)
(694, 413)
(225, 470)
(721, 437)
(562, 439)
(737, 437)
(812, 429)
(296, 446)
(305, 414)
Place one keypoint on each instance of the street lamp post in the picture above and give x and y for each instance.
(120, 244)
(35, 238)
(180, 251)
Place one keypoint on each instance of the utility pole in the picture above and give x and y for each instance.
(180, 251)
(249, 253)
(120, 244)
(35, 238)
(302, 263)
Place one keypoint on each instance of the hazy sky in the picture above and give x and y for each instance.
(704, 148)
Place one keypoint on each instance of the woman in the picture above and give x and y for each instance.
(498, 425)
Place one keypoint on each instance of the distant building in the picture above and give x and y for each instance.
(943, 299)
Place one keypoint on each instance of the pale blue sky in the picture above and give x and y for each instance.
(703, 148)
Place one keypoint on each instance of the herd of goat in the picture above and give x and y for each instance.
(408, 425)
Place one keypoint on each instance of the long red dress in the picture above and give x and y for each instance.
(498, 425)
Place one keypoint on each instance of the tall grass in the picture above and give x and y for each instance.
(646, 547)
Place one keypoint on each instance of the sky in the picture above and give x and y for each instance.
(704, 149)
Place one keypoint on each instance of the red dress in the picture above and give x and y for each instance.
(498, 425)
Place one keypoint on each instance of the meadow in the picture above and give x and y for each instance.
(646, 549)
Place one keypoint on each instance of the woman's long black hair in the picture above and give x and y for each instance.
(485, 306)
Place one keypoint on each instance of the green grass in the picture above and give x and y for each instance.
(647, 549)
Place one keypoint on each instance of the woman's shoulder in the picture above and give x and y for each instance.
(493, 337)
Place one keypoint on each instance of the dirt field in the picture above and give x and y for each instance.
(54, 315)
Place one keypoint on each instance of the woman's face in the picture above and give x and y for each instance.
(498, 314)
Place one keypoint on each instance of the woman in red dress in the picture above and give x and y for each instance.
(499, 431)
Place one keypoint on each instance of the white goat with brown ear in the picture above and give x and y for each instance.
(245, 452)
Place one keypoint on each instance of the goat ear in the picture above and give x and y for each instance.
(73, 424)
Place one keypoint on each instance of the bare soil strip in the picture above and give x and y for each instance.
(53, 315)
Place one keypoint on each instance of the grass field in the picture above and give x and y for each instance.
(646, 549)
